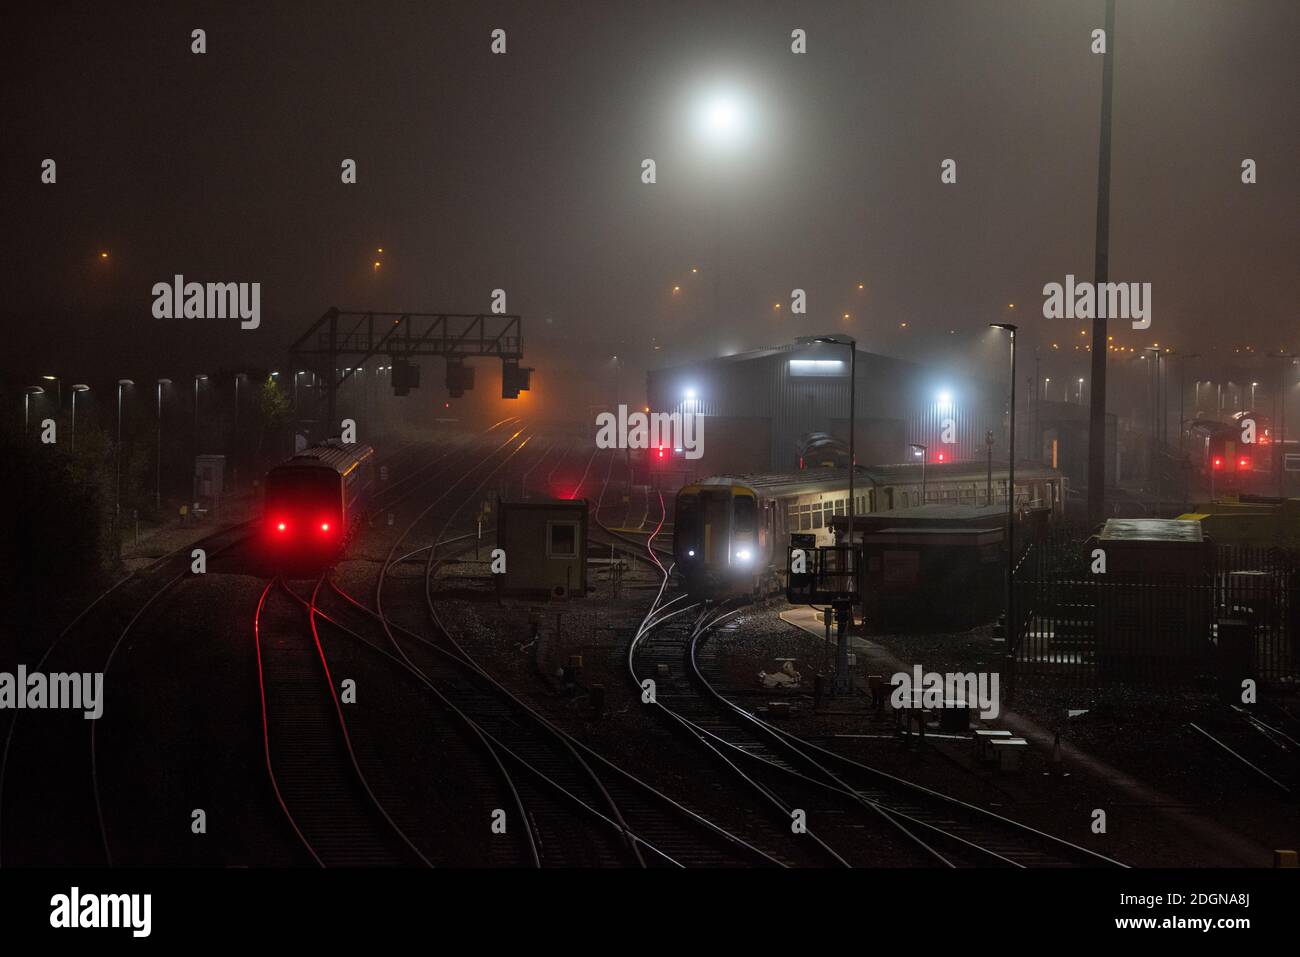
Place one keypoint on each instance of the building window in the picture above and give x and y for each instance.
(561, 539)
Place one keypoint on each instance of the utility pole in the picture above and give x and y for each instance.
(1101, 272)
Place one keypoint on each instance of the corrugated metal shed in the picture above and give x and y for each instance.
(898, 402)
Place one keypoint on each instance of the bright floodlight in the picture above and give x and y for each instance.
(690, 394)
(945, 398)
(723, 118)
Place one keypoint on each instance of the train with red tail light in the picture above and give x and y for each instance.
(313, 503)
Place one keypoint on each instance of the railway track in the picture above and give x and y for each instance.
(954, 833)
(940, 829)
(313, 767)
(562, 787)
(72, 815)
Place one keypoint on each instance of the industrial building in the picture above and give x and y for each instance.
(774, 409)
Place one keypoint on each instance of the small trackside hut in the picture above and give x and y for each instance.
(545, 548)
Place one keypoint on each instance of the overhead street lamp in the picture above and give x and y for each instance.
(199, 377)
(79, 387)
(723, 121)
(30, 391)
(58, 392)
(1280, 445)
(1012, 633)
(117, 503)
(234, 449)
(842, 683)
(157, 494)
(923, 450)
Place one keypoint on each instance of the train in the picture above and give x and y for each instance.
(730, 532)
(1227, 463)
(313, 503)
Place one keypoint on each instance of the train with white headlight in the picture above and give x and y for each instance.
(731, 532)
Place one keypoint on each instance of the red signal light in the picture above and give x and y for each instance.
(661, 451)
(280, 527)
(1243, 463)
(324, 526)
(941, 456)
(1218, 462)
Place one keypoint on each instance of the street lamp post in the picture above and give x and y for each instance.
(842, 684)
(924, 455)
(1280, 445)
(157, 493)
(117, 503)
(58, 392)
(30, 391)
(79, 387)
(199, 377)
(1011, 634)
(234, 448)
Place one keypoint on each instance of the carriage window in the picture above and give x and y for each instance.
(840, 508)
(817, 515)
(745, 514)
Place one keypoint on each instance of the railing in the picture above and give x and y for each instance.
(1081, 628)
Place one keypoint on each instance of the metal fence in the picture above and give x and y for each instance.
(1076, 627)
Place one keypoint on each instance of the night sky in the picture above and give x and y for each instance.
(522, 171)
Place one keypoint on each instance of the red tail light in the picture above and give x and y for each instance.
(1243, 463)
(661, 451)
(324, 526)
(281, 526)
(941, 456)
(1218, 462)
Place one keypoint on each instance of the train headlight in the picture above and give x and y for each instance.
(744, 554)
(690, 553)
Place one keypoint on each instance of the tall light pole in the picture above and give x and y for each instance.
(1182, 396)
(1280, 445)
(1101, 271)
(117, 503)
(1011, 631)
(924, 454)
(157, 493)
(842, 683)
(30, 391)
(234, 448)
(58, 392)
(199, 377)
(79, 387)
(1157, 444)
